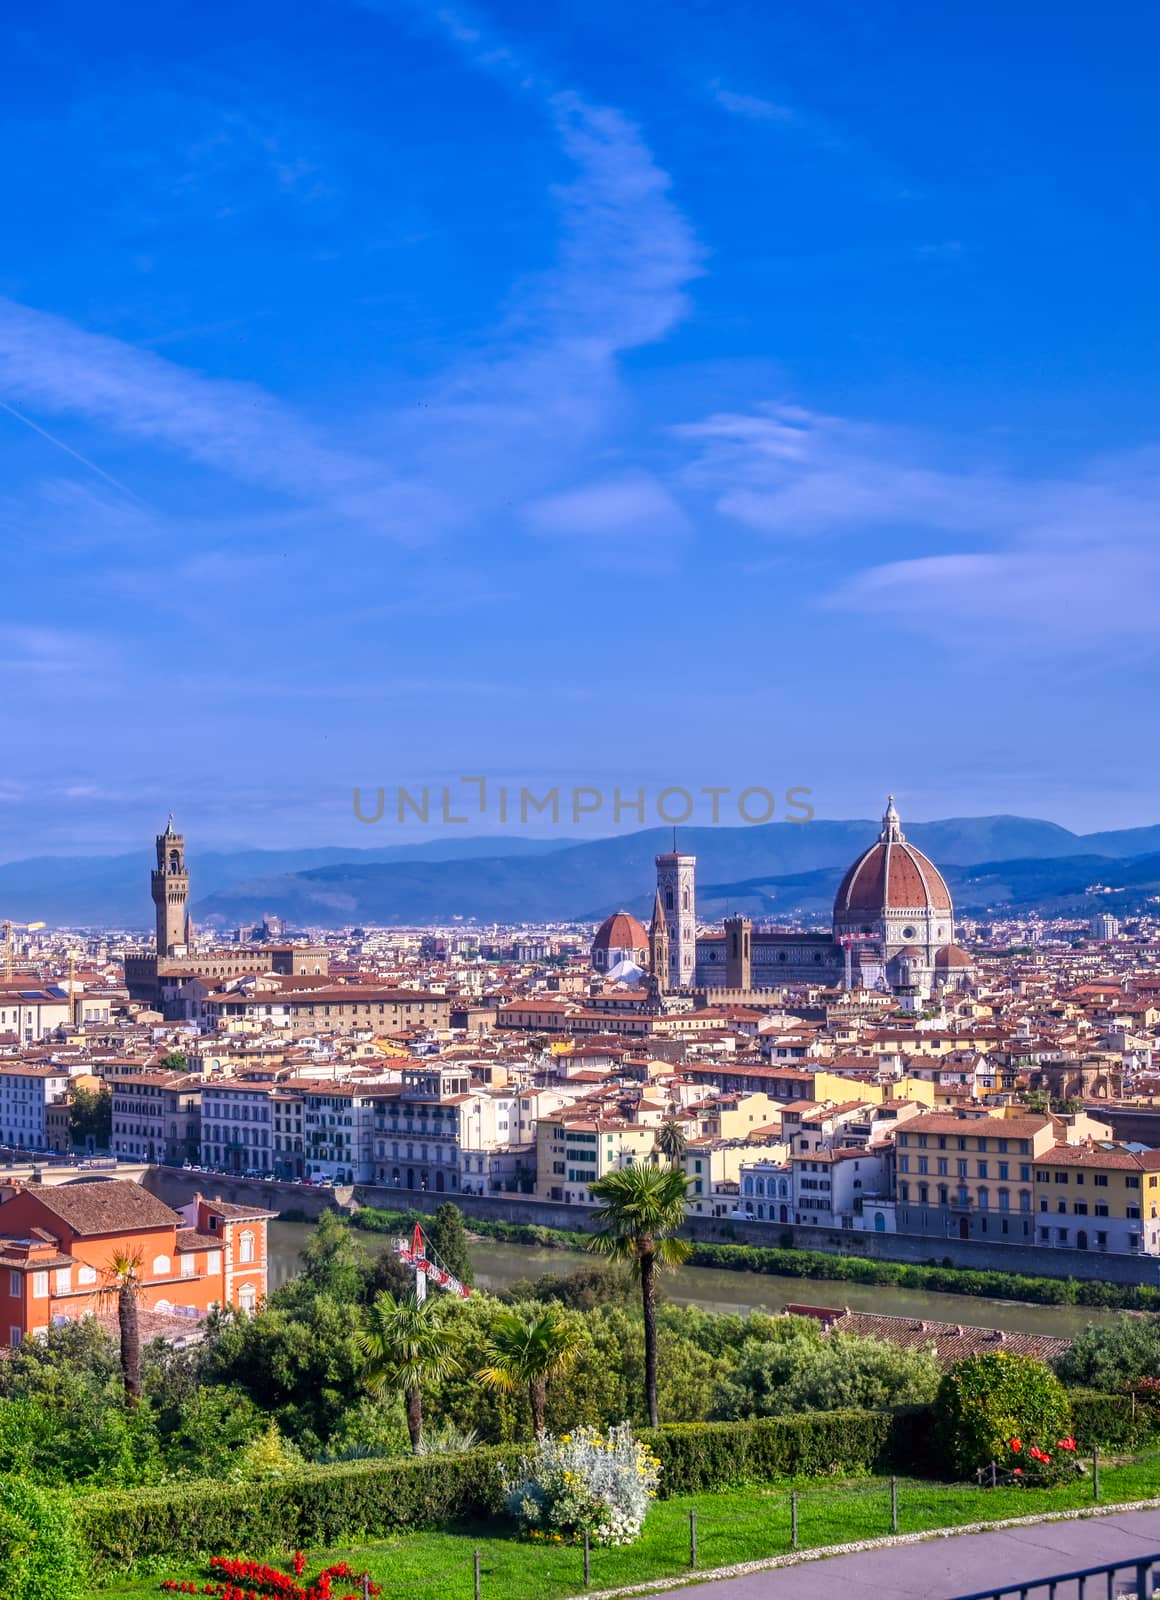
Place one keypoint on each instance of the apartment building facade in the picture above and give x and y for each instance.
(26, 1092)
(156, 1116)
(57, 1246)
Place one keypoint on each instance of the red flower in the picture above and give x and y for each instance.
(1017, 1445)
(1067, 1444)
(1018, 1473)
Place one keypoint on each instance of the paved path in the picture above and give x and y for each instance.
(941, 1568)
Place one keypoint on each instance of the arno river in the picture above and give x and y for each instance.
(498, 1265)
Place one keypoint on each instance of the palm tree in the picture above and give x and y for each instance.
(641, 1209)
(122, 1282)
(671, 1141)
(404, 1344)
(528, 1350)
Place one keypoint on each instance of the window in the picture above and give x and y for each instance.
(86, 1275)
(189, 1264)
(247, 1297)
(246, 1249)
(40, 1285)
(1101, 1180)
(160, 1266)
(63, 1280)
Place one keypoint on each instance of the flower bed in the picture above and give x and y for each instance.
(585, 1482)
(239, 1579)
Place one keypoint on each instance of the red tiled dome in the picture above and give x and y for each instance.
(952, 955)
(620, 932)
(891, 876)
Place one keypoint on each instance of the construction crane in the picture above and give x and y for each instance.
(416, 1252)
(27, 927)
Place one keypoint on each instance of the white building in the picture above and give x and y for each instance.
(26, 1092)
(31, 1013)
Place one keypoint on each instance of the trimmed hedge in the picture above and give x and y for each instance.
(371, 1499)
(315, 1507)
(322, 1506)
(716, 1455)
(1111, 1419)
(791, 1263)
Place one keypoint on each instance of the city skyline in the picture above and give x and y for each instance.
(390, 393)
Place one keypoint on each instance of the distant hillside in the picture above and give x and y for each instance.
(1056, 887)
(782, 867)
(769, 871)
(113, 891)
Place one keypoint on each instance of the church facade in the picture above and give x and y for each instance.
(892, 929)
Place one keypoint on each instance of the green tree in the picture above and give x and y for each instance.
(808, 1372)
(671, 1141)
(639, 1212)
(121, 1285)
(1114, 1356)
(448, 1238)
(175, 1061)
(301, 1365)
(985, 1401)
(405, 1343)
(331, 1265)
(90, 1118)
(527, 1349)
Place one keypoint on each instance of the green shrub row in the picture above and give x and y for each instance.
(371, 1499)
(792, 1263)
(1113, 1420)
(329, 1505)
(697, 1456)
(314, 1507)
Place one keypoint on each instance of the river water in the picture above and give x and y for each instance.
(497, 1266)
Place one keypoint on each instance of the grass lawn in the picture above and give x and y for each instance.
(733, 1526)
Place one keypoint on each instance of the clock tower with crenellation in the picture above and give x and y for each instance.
(170, 886)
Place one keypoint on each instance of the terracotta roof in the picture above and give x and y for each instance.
(113, 1206)
(225, 1208)
(950, 1342)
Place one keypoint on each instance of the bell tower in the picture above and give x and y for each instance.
(170, 888)
(676, 893)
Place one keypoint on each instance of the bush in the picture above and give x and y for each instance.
(40, 1558)
(1113, 1419)
(715, 1455)
(1113, 1357)
(988, 1400)
(585, 1482)
(327, 1505)
(313, 1508)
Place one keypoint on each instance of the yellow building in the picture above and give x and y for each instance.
(1098, 1197)
(970, 1177)
(572, 1151)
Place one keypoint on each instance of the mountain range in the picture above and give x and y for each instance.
(771, 871)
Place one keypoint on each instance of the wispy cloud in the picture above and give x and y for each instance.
(750, 106)
(634, 506)
(232, 427)
(548, 379)
(811, 131)
(506, 426)
(1064, 561)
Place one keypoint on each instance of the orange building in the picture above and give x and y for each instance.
(58, 1243)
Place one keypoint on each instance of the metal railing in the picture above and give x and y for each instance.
(1135, 1579)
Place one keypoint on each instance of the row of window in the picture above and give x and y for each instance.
(963, 1198)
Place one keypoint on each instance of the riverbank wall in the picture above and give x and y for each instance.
(176, 1187)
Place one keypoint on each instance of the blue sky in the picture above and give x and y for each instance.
(639, 394)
